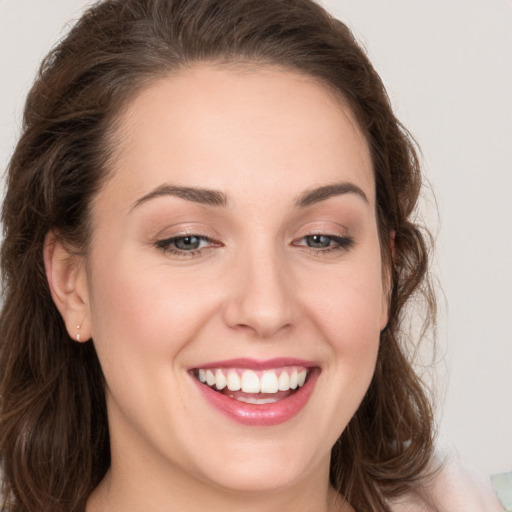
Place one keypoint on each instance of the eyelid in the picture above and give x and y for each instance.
(165, 244)
(340, 236)
(185, 228)
(324, 228)
(173, 238)
(342, 241)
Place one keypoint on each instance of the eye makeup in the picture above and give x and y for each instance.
(186, 245)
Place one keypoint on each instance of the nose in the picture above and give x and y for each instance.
(261, 301)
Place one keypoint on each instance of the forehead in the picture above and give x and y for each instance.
(237, 128)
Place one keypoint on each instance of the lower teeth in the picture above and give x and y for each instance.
(257, 401)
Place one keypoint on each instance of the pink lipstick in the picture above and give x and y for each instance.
(257, 393)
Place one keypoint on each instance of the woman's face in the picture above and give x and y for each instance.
(236, 242)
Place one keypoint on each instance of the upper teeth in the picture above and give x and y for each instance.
(250, 381)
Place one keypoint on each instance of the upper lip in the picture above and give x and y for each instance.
(257, 364)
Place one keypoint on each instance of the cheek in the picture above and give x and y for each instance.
(345, 306)
(347, 310)
(142, 309)
(349, 306)
(143, 319)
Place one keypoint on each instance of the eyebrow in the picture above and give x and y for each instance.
(310, 197)
(194, 194)
(217, 198)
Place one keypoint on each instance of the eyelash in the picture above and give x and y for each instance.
(168, 245)
(341, 243)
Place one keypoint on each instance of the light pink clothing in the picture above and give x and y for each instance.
(455, 488)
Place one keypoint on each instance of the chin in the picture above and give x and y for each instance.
(262, 467)
(257, 476)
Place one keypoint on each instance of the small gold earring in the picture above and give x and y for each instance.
(78, 333)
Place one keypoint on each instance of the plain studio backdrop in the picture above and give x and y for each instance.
(447, 66)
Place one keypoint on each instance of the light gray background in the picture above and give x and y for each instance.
(447, 67)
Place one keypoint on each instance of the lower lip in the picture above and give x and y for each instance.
(262, 415)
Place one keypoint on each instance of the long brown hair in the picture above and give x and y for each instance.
(54, 440)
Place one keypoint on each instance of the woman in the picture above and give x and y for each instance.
(208, 253)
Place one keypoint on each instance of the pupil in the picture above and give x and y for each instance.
(187, 243)
(319, 241)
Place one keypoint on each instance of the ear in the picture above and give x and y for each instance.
(67, 279)
(387, 279)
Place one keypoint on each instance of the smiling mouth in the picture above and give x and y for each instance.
(256, 387)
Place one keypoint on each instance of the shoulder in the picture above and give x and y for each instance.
(451, 488)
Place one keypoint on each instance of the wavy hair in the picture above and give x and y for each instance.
(54, 439)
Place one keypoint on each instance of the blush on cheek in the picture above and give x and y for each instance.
(352, 319)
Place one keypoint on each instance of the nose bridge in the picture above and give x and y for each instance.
(261, 297)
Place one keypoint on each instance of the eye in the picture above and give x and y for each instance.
(318, 241)
(325, 243)
(185, 245)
